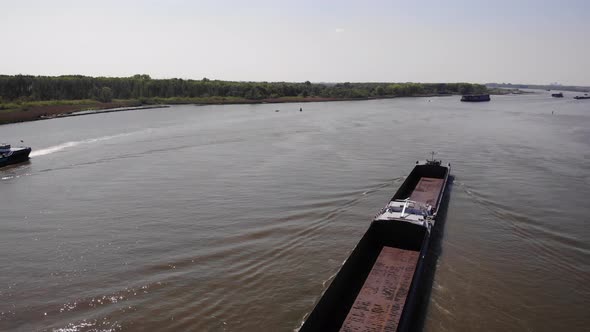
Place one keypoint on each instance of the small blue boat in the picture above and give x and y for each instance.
(10, 155)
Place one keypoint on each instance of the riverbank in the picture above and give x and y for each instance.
(42, 110)
(32, 111)
(507, 91)
(39, 110)
(28, 98)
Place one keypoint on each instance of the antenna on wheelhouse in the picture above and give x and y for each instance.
(433, 161)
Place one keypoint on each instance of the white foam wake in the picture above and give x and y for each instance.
(53, 149)
(59, 147)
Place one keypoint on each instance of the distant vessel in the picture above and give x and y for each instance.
(475, 98)
(557, 95)
(378, 286)
(585, 96)
(10, 155)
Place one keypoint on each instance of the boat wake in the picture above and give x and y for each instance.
(547, 242)
(53, 149)
(63, 146)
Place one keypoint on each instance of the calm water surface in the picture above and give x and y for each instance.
(235, 218)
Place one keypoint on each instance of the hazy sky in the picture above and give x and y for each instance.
(421, 41)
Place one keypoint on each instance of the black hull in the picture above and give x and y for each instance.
(580, 97)
(337, 304)
(476, 98)
(16, 157)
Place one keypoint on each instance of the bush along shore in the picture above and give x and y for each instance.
(27, 98)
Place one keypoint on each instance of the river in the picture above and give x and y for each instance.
(236, 217)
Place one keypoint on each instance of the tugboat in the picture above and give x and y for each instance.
(378, 287)
(557, 95)
(475, 98)
(10, 155)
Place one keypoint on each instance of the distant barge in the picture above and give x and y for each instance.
(10, 155)
(582, 97)
(557, 95)
(378, 286)
(475, 98)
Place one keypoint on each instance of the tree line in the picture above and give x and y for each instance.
(540, 87)
(15, 88)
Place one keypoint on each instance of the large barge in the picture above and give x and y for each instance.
(378, 287)
(475, 98)
(10, 155)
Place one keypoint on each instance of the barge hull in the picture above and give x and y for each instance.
(379, 286)
(475, 98)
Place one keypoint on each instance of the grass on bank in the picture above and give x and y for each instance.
(91, 104)
(27, 105)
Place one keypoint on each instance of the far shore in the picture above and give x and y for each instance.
(57, 109)
(34, 111)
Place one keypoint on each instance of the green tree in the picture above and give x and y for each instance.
(106, 95)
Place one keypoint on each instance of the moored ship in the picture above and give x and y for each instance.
(557, 95)
(378, 287)
(475, 98)
(10, 155)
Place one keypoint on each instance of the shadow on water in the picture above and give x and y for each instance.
(434, 252)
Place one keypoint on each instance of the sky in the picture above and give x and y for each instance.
(526, 41)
